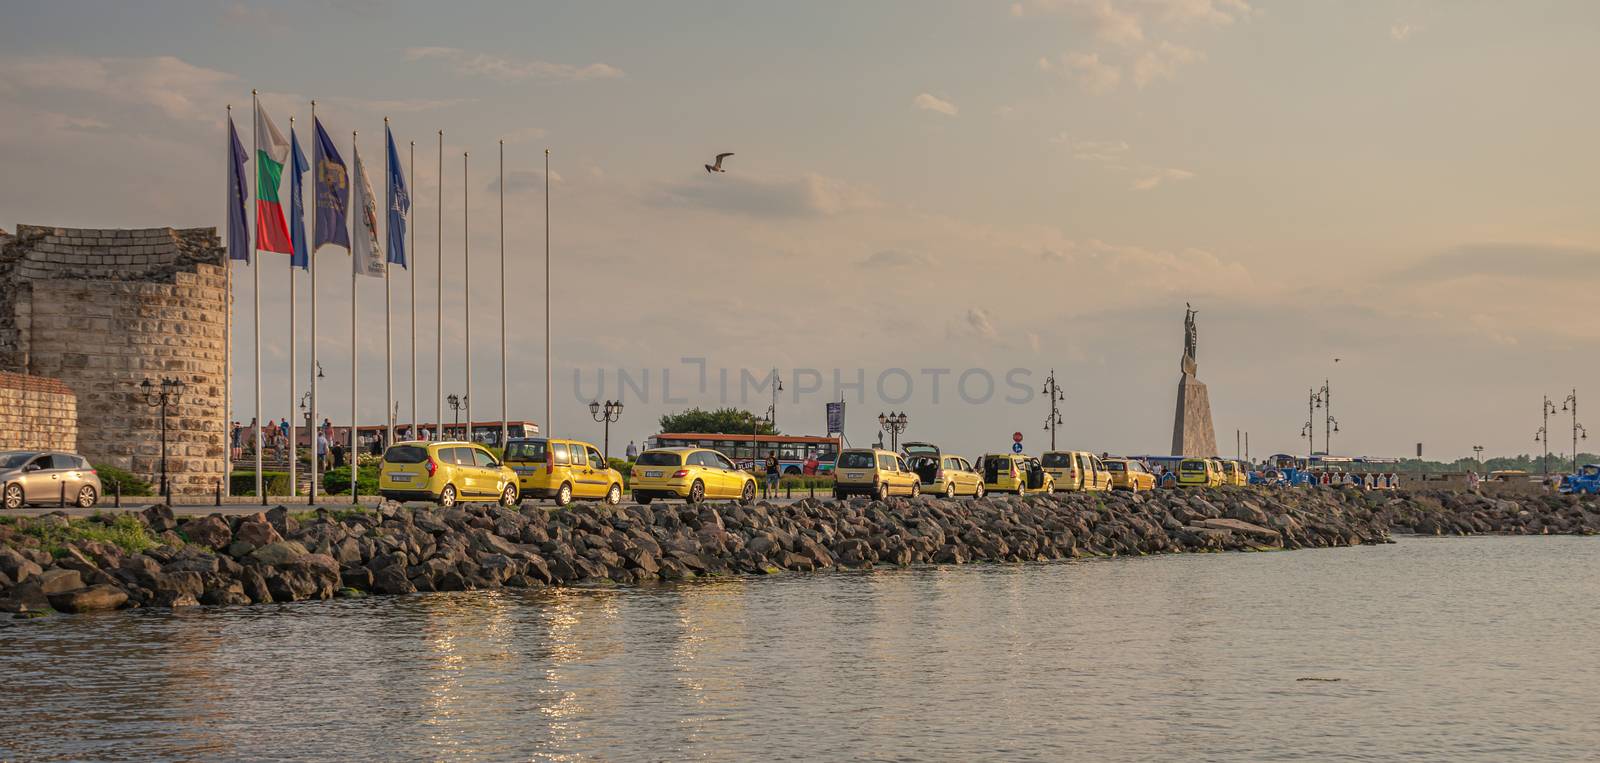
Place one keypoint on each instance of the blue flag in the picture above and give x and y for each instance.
(239, 244)
(333, 193)
(301, 257)
(399, 205)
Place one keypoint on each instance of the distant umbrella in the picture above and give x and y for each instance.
(718, 166)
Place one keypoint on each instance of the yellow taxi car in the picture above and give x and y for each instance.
(941, 474)
(1130, 474)
(445, 472)
(878, 473)
(693, 474)
(1199, 472)
(1077, 470)
(566, 470)
(1235, 473)
(1015, 473)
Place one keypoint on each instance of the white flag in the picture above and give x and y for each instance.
(368, 258)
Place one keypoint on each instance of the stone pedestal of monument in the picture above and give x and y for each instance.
(1192, 432)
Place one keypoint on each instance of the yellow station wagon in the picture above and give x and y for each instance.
(1015, 473)
(693, 474)
(1077, 470)
(1130, 474)
(878, 473)
(1199, 472)
(565, 470)
(941, 474)
(445, 472)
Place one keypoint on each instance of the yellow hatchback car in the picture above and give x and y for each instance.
(878, 473)
(942, 474)
(1130, 475)
(1077, 470)
(445, 472)
(693, 474)
(1015, 473)
(1199, 472)
(565, 470)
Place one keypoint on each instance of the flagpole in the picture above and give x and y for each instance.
(438, 329)
(255, 277)
(504, 427)
(311, 265)
(227, 338)
(355, 354)
(411, 276)
(388, 316)
(294, 440)
(548, 424)
(466, 284)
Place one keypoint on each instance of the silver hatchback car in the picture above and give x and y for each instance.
(46, 476)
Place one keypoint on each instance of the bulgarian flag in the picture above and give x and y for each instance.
(272, 150)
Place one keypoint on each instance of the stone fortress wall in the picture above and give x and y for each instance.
(37, 413)
(102, 311)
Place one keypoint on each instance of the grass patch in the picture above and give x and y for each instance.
(124, 531)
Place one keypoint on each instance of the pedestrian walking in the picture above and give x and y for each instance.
(773, 472)
(633, 451)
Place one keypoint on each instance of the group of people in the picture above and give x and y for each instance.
(1367, 481)
(275, 438)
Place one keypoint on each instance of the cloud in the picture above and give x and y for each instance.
(1544, 262)
(981, 324)
(1104, 151)
(1163, 62)
(1401, 30)
(467, 63)
(256, 18)
(896, 258)
(178, 89)
(806, 195)
(525, 134)
(519, 181)
(929, 102)
(1115, 26)
(1167, 175)
(1091, 74)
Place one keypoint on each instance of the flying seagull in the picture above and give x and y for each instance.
(718, 166)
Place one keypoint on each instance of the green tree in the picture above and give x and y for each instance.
(720, 421)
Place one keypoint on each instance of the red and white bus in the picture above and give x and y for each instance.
(796, 454)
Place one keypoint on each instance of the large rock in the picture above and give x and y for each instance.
(256, 532)
(58, 580)
(209, 531)
(25, 597)
(92, 599)
(279, 552)
(16, 566)
(159, 518)
(1245, 528)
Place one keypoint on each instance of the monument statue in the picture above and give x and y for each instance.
(1192, 431)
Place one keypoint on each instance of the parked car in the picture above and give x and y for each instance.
(878, 473)
(445, 472)
(41, 476)
(565, 470)
(1016, 473)
(1075, 470)
(1199, 472)
(941, 474)
(693, 474)
(1586, 481)
(1130, 475)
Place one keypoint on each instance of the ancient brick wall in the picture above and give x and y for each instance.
(104, 310)
(37, 413)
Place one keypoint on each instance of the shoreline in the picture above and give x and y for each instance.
(51, 563)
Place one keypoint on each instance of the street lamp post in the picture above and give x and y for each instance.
(1543, 435)
(160, 395)
(893, 424)
(1052, 390)
(1477, 455)
(1571, 403)
(611, 412)
(457, 402)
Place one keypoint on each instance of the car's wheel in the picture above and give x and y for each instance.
(1049, 487)
(1022, 490)
(697, 492)
(950, 491)
(508, 497)
(979, 492)
(87, 497)
(916, 489)
(838, 495)
(643, 500)
(447, 497)
(881, 492)
(13, 497)
(564, 495)
(614, 495)
(749, 494)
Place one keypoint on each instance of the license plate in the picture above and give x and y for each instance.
(652, 474)
(853, 475)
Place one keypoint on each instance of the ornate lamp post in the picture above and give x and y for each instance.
(893, 424)
(1053, 391)
(1477, 455)
(1571, 403)
(159, 395)
(1543, 434)
(609, 413)
(458, 402)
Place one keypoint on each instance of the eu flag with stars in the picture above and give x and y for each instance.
(399, 205)
(301, 257)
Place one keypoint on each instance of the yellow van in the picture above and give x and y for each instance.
(565, 470)
(1077, 470)
(1015, 473)
(878, 473)
(445, 472)
(1199, 472)
(693, 474)
(1235, 473)
(1130, 474)
(942, 474)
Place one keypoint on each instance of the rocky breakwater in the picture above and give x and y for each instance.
(277, 556)
(1440, 512)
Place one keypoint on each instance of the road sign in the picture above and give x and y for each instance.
(1016, 447)
(1016, 437)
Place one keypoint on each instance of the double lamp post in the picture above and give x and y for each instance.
(160, 395)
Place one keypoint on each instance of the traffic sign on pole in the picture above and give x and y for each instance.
(1016, 437)
(1016, 447)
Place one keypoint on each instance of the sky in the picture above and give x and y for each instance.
(944, 201)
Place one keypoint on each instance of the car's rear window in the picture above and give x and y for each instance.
(1192, 466)
(406, 454)
(856, 459)
(1056, 460)
(1116, 466)
(660, 458)
(529, 450)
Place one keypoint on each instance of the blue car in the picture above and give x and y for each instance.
(1586, 481)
